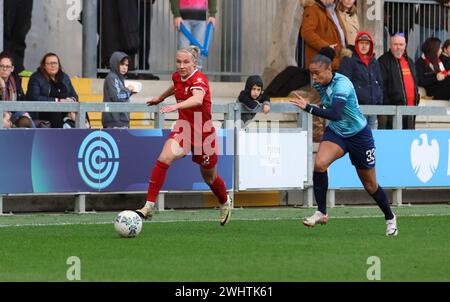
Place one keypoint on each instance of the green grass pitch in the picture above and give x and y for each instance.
(257, 245)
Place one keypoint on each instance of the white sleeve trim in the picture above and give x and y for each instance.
(198, 87)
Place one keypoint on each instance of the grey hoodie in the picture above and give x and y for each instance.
(114, 90)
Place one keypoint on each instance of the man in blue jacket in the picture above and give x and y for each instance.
(363, 70)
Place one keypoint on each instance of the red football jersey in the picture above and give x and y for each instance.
(197, 117)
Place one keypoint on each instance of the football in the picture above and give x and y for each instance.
(128, 224)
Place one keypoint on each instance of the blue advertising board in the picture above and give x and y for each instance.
(80, 160)
(404, 158)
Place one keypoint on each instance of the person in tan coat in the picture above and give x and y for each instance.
(347, 12)
(321, 27)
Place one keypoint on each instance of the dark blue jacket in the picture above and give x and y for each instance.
(39, 88)
(367, 80)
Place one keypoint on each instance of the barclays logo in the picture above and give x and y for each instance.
(98, 160)
(424, 157)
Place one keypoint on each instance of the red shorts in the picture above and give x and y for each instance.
(205, 154)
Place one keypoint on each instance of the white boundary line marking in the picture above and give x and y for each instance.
(211, 220)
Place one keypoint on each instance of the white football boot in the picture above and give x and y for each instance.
(225, 211)
(317, 217)
(391, 227)
(146, 212)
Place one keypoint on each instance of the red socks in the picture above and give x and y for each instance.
(157, 180)
(219, 189)
(159, 175)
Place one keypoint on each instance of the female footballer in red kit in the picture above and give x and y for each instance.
(192, 132)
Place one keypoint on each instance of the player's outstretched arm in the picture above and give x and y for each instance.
(195, 100)
(162, 97)
(334, 113)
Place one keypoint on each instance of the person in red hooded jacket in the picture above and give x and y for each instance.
(363, 70)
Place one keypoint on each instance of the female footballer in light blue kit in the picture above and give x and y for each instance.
(347, 131)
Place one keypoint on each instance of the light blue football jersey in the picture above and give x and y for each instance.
(352, 120)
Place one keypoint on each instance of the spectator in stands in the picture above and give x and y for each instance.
(11, 87)
(49, 83)
(364, 72)
(431, 72)
(195, 15)
(253, 99)
(17, 23)
(400, 81)
(7, 120)
(69, 120)
(445, 56)
(321, 27)
(347, 12)
(114, 90)
(145, 30)
(120, 29)
(22, 122)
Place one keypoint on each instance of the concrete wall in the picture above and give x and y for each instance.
(55, 29)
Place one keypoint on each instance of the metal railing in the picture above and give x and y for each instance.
(231, 110)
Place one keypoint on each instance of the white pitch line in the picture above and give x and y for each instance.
(212, 220)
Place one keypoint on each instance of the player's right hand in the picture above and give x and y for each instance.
(298, 101)
(168, 109)
(153, 101)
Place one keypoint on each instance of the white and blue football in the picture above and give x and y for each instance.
(128, 224)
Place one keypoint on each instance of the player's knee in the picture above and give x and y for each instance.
(370, 187)
(320, 166)
(209, 180)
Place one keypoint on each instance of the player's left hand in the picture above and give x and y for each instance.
(298, 101)
(167, 109)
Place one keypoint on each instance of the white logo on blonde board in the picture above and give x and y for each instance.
(424, 157)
